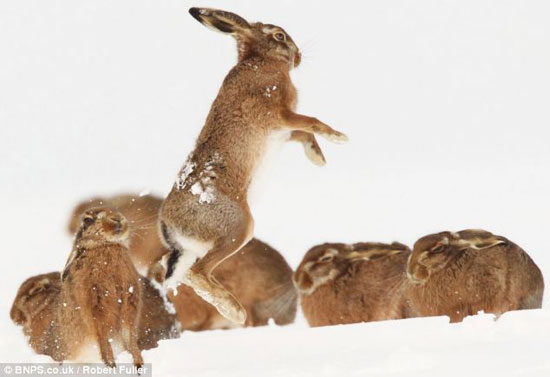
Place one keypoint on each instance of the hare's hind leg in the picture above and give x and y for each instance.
(200, 277)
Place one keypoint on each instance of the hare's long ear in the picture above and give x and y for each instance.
(225, 22)
(40, 286)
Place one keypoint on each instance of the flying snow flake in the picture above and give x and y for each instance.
(119, 301)
(131, 289)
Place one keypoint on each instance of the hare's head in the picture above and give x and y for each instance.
(320, 265)
(76, 216)
(253, 39)
(431, 254)
(103, 225)
(33, 295)
(326, 262)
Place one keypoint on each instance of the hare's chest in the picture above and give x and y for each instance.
(269, 150)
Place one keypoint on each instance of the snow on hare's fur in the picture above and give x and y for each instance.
(258, 275)
(206, 217)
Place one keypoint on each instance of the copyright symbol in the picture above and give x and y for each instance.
(8, 369)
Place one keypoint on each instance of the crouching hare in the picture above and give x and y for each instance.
(459, 274)
(363, 282)
(206, 217)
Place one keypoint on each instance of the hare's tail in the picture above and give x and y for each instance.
(281, 307)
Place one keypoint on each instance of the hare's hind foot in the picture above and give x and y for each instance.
(217, 296)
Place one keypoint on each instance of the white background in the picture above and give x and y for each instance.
(446, 104)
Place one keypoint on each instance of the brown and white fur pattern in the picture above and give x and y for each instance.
(265, 290)
(460, 274)
(340, 283)
(206, 217)
(100, 291)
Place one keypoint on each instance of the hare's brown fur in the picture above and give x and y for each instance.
(206, 215)
(100, 291)
(34, 309)
(141, 211)
(265, 291)
(340, 283)
(38, 302)
(156, 321)
(459, 274)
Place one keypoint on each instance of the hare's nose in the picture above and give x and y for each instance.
(297, 58)
(118, 225)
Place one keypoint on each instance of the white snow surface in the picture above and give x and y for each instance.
(446, 108)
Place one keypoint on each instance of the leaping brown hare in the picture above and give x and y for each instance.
(206, 217)
(459, 274)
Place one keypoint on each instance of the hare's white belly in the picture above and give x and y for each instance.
(192, 249)
(260, 176)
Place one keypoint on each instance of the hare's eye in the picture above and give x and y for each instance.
(88, 221)
(326, 259)
(437, 249)
(280, 36)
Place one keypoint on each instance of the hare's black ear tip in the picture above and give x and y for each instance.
(196, 13)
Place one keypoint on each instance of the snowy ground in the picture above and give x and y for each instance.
(445, 104)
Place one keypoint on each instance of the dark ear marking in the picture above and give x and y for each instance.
(223, 26)
(225, 22)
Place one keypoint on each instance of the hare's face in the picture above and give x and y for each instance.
(76, 216)
(430, 254)
(104, 224)
(33, 296)
(257, 39)
(273, 41)
(321, 265)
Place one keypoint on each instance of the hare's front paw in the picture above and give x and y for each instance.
(315, 154)
(336, 136)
